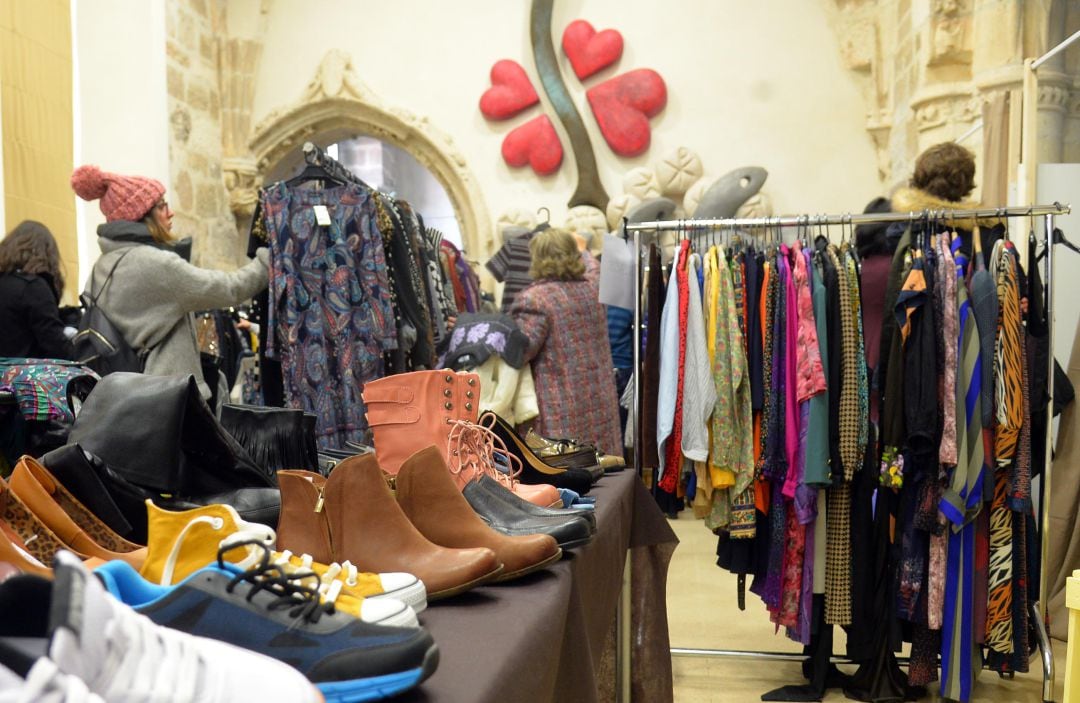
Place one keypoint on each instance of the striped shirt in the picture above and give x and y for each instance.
(510, 266)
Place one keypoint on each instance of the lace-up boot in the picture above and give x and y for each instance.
(410, 411)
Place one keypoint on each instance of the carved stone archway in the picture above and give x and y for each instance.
(337, 105)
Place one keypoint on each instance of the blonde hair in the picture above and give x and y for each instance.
(555, 256)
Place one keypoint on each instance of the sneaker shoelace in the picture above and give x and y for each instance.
(250, 534)
(45, 678)
(472, 446)
(291, 587)
(330, 582)
(146, 662)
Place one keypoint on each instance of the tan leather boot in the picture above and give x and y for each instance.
(436, 507)
(302, 524)
(408, 411)
(356, 514)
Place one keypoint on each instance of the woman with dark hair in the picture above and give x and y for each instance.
(31, 283)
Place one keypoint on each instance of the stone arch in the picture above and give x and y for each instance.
(337, 105)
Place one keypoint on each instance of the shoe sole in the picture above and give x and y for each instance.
(414, 596)
(405, 618)
(576, 543)
(531, 568)
(450, 592)
(379, 687)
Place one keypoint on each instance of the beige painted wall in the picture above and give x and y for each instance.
(748, 83)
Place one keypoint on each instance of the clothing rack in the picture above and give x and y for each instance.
(848, 220)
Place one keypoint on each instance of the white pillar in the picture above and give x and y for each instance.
(121, 118)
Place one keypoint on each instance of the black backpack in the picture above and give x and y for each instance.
(98, 344)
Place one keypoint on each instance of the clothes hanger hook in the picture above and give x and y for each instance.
(547, 214)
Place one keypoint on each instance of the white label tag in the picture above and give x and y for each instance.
(322, 215)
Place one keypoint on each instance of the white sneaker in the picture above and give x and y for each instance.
(44, 683)
(124, 657)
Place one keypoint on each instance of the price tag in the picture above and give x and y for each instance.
(322, 215)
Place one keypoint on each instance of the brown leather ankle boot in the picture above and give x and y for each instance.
(408, 411)
(302, 525)
(355, 513)
(432, 502)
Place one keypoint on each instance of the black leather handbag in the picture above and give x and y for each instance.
(98, 344)
(157, 432)
(121, 504)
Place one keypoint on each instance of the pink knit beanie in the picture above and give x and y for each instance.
(122, 197)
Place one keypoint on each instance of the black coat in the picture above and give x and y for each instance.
(30, 323)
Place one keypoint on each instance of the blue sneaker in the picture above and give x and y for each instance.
(268, 611)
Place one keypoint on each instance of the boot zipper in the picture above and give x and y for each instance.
(319, 502)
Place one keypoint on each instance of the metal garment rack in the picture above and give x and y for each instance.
(802, 221)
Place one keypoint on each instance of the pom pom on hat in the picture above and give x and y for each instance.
(88, 182)
(122, 197)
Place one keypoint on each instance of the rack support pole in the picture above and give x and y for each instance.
(1042, 622)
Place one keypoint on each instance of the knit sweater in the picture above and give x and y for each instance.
(154, 291)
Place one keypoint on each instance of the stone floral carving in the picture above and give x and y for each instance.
(949, 32)
(693, 194)
(516, 217)
(641, 183)
(242, 182)
(677, 170)
(588, 222)
(617, 208)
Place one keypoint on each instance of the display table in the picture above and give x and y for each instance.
(542, 638)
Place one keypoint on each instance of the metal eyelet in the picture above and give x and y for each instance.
(448, 392)
(471, 381)
(468, 406)
(448, 405)
(468, 394)
(449, 379)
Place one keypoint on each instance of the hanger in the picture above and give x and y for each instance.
(322, 167)
(1058, 237)
(547, 215)
(315, 173)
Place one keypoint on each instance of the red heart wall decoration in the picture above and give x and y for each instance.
(534, 143)
(623, 105)
(511, 91)
(590, 51)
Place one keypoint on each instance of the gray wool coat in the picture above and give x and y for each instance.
(154, 292)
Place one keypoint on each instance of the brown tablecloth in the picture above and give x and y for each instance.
(543, 638)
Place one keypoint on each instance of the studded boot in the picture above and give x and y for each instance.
(410, 411)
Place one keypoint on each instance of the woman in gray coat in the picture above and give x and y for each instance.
(153, 291)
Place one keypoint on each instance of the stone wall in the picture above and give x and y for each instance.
(928, 69)
(198, 196)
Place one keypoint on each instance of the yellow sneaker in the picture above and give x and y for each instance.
(182, 542)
